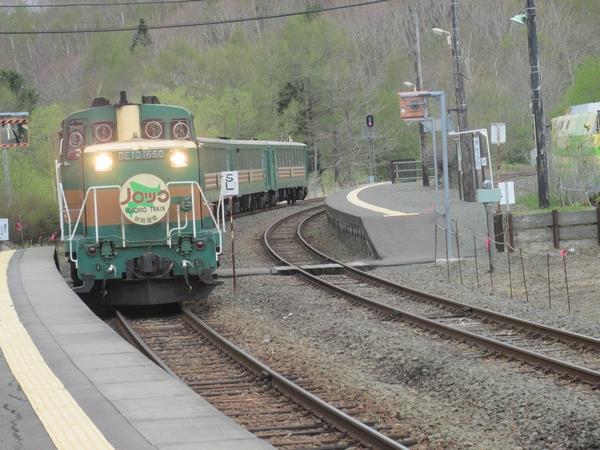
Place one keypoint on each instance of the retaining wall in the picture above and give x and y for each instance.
(351, 230)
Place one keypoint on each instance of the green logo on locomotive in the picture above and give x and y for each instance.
(144, 199)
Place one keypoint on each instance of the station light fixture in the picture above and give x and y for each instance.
(520, 18)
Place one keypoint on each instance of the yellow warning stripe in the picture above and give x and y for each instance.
(352, 197)
(66, 423)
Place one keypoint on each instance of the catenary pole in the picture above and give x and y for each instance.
(468, 167)
(419, 87)
(537, 107)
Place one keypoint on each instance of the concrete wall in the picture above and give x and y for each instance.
(352, 232)
(575, 229)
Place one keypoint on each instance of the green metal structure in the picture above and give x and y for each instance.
(575, 152)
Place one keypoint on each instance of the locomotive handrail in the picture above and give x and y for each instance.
(73, 231)
(178, 227)
(197, 185)
(72, 234)
(64, 199)
(62, 203)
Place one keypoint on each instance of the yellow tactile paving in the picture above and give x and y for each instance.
(66, 423)
(352, 197)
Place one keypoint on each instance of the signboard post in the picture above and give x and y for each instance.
(498, 137)
(413, 107)
(370, 133)
(4, 233)
(507, 193)
(507, 197)
(230, 187)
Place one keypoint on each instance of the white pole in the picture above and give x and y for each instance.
(435, 167)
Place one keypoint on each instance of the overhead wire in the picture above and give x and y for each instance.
(195, 24)
(125, 3)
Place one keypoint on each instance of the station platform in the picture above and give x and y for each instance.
(397, 219)
(68, 381)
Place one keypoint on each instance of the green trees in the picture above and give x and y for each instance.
(31, 194)
(15, 96)
(585, 87)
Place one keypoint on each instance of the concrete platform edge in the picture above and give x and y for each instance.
(95, 364)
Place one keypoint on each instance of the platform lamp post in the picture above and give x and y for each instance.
(424, 174)
(433, 146)
(529, 18)
(413, 107)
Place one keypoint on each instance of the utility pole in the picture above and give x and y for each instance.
(468, 167)
(419, 87)
(537, 108)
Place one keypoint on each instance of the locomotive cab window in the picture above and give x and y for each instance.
(153, 129)
(75, 140)
(180, 129)
(103, 132)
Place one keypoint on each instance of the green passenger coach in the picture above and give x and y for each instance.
(268, 171)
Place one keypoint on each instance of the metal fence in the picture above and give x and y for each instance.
(406, 171)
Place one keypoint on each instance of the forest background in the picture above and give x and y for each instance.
(310, 78)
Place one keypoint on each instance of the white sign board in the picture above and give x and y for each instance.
(4, 230)
(229, 183)
(507, 193)
(483, 161)
(498, 133)
(477, 149)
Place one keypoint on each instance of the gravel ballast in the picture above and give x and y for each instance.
(447, 394)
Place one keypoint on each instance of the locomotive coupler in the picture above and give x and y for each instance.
(185, 264)
(110, 269)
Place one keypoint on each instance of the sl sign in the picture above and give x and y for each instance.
(229, 183)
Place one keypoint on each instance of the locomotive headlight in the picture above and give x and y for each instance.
(179, 158)
(103, 162)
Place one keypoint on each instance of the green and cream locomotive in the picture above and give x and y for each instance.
(135, 223)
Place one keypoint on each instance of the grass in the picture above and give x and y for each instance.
(529, 204)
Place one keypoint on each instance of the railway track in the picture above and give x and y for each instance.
(542, 346)
(280, 205)
(266, 402)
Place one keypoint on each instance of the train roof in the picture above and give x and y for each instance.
(248, 142)
(139, 144)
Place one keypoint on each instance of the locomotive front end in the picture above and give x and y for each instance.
(147, 223)
(144, 233)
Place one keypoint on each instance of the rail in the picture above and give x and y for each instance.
(358, 430)
(585, 374)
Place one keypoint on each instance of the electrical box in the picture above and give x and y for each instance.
(488, 195)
